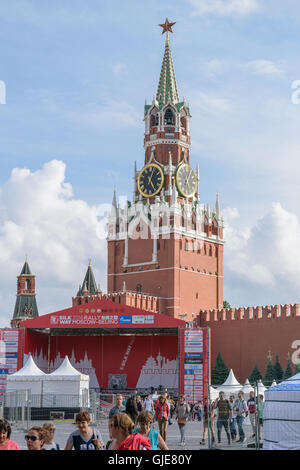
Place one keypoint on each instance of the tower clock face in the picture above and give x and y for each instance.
(186, 180)
(150, 180)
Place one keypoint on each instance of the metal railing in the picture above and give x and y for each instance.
(20, 407)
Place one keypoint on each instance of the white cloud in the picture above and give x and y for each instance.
(225, 7)
(211, 104)
(110, 114)
(119, 69)
(265, 68)
(40, 217)
(266, 256)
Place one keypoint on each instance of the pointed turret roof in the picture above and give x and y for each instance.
(26, 270)
(167, 86)
(89, 283)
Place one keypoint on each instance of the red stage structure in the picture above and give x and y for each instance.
(121, 347)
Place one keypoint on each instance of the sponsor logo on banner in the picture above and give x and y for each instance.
(193, 366)
(188, 387)
(138, 319)
(191, 350)
(125, 319)
(149, 319)
(54, 320)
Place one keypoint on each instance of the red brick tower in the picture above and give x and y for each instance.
(26, 306)
(164, 243)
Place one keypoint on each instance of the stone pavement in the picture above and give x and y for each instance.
(194, 431)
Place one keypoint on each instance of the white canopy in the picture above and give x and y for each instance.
(230, 386)
(67, 372)
(213, 393)
(261, 388)
(282, 415)
(30, 377)
(30, 369)
(247, 388)
(66, 387)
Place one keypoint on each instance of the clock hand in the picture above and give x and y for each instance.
(188, 177)
(150, 179)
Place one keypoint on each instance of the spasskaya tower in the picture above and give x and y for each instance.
(165, 244)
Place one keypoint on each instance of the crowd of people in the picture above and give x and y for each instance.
(131, 423)
(230, 415)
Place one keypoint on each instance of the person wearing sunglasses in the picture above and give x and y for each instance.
(35, 438)
(5, 432)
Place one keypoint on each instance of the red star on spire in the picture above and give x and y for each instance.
(167, 26)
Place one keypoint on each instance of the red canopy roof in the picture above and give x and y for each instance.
(103, 314)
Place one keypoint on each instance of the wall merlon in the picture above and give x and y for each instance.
(250, 313)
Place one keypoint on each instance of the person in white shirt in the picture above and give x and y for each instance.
(148, 404)
(240, 408)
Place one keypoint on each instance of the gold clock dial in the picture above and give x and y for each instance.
(150, 180)
(186, 180)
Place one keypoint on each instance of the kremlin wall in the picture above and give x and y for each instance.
(245, 335)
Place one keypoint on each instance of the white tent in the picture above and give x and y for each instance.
(213, 393)
(30, 377)
(247, 388)
(66, 386)
(281, 416)
(231, 386)
(261, 388)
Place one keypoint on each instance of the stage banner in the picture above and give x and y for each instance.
(194, 357)
(11, 354)
(114, 362)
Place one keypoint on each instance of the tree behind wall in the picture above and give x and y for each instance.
(255, 375)
(278, 371)
(297, 368)
(220, 372)
(270, 372)
(289, 369)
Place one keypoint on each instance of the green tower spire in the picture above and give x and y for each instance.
(167, 87)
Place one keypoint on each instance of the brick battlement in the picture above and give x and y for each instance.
(132, 299)
(248, 313)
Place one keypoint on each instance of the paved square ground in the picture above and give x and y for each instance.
(194, 432)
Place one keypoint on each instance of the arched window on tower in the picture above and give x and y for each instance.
(169, 118)
(28, 284)
(154, 120)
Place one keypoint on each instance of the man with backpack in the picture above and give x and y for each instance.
(241, 409)
(224, 416)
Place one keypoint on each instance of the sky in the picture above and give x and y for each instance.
(74, 76)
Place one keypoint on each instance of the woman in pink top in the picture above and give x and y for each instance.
(5, 432)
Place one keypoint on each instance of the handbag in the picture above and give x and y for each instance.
(182, 422)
